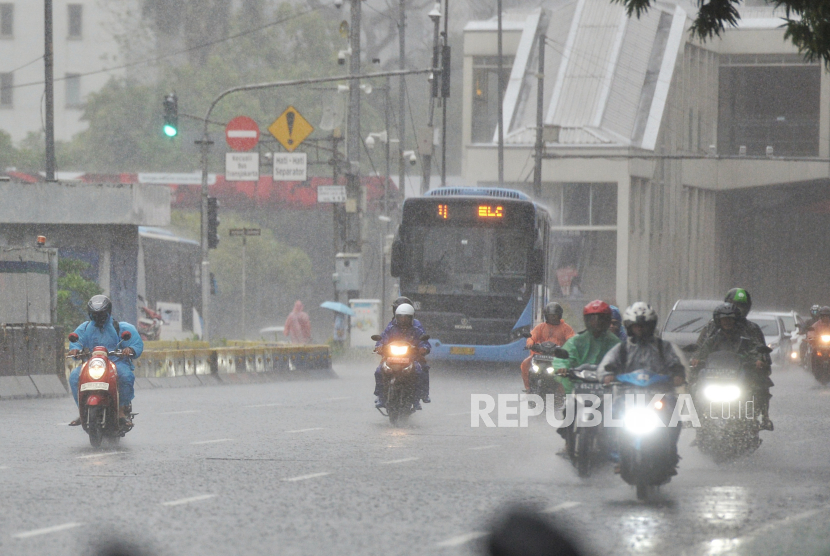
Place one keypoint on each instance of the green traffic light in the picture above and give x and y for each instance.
(170, 131)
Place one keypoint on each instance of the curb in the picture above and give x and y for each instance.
(31, 386)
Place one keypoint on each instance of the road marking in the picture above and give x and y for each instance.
(265, 405)
(4, 466)
(102, 454)
(305, 430)
(461, 539)
(212, 441)
(183, 501)
(488, 447)
(306, 477)
(180, 412)
(457, 414)
(47, 530)
(560, 507)
(404, 460)
(337, 399)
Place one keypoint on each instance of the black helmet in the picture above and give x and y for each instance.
(740, 298)
(99, 308)
(725, 310)
(551, 309)
(400, 301)
(824, 311)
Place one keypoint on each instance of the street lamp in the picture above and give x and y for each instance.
(435, 16)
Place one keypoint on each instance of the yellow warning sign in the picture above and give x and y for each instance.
(290, 129)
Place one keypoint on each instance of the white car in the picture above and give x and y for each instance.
(777, 338)
(795, 326)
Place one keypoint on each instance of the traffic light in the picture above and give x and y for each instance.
(213, 222)
(171, 115)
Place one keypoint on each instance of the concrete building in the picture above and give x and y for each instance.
(84, 43)
(673, 168)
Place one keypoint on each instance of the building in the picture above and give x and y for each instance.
(673, 168)
(84, 43)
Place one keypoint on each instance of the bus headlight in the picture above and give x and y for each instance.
(96, 368)
(641, 421)
(722, 392)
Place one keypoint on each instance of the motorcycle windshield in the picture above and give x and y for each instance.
(643, 378)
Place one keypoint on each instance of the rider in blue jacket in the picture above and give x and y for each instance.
(102, 330)
(403, 329)
(417, 325)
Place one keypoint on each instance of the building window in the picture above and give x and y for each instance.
(6, 20)
(76, 21)
(73, 90)
(486, 95)
(6, 90)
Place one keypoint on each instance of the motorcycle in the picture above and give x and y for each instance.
(400, 381)
(647, 446)
(149, 326)
(586, 441)
(819, 356)
(98, 394)
(724, 393)
(543, 381)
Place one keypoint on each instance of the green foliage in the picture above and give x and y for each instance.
(73, 293)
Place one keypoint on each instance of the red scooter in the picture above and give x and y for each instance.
(149, 326)
(98, 394)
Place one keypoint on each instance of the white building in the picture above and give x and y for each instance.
(673, 168)
(84, 44)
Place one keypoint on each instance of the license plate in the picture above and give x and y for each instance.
(588, 388)
(397, 360)
(94, 386)
(462, 351)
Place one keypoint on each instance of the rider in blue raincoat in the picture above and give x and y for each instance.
(102, 330)
(403, 330)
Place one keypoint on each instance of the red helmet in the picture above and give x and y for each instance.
(597, 307)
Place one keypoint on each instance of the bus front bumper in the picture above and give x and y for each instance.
(513, 352)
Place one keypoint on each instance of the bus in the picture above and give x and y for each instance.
(474, 262)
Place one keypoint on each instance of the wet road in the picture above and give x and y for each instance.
(299, 467)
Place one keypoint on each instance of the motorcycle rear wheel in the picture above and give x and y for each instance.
(583, 442)
(644, 491)
(96, 426)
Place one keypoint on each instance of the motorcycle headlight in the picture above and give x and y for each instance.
(825, 338)
(398, 350)
(722, 392)
(534, 367)
(550, 370)
(96, 368)
(794, 355)
(641, 420)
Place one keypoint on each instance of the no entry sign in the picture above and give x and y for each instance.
(242, 133)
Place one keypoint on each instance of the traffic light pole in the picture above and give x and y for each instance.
(205, 144)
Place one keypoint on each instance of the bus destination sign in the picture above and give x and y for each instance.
(484, 212)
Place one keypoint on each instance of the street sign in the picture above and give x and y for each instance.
(331, 193)
(290, 129)
(290, 166)
(238, 232)
(241, 166)
(242, 133)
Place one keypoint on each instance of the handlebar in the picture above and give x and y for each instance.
(86, 355)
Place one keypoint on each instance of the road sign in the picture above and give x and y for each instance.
(331, 193)
(238, 232)
(241, 166)
(242, 133)
(290, 166)
(290, 129)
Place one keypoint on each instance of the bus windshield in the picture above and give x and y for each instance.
(466, 259)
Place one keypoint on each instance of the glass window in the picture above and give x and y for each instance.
(576, 204)
(73, 90)
(6, 90)
(6, 20)
(603, 204)
(486, 94)
(687, 321)
(768, 326)
(76, 20)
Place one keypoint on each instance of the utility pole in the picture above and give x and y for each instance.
(386, 91)
(401, 95)
(426, 156)
(353, 140)
(500, 109)
(445, 90)
(540, 101)
(48, 63)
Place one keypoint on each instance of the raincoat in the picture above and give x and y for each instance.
(297, 325)
(652, 354)
(544, 332)
(411, 335)
(584, 349)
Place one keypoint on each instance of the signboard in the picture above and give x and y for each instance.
(290, 129)
(365, 322)
(290, 166)
(177, 178)
(242, 133)
(241, 166)
(171, 315)
(331, 193)
(238, 232)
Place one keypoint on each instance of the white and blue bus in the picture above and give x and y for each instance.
(474, 261)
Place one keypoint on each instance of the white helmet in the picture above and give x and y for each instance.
(405, 309)
(640, 313)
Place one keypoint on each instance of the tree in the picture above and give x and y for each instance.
(807, 22)
(73, 293)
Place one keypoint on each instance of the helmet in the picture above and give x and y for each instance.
(99, 308)
(814, 310)
(740, 298)
(824, 311)
(400, 301)
(725, 310)
(404, 315)
(597, 307)
(615, 314)
(602, 311)
(640, 313)
(554, 310)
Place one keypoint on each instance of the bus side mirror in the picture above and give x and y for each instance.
(536, 267)
(396, 264)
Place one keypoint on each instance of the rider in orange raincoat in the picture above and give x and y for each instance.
(554, 329)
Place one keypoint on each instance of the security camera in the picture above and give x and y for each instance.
(341, 57)
(370, 142)
(338, 3)
(412, 158)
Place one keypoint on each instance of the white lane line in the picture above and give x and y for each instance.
(212, 441)
(404, 460)
(560, 507)
(457, 414)
(461, 539)
(306, 477)
(265, 405)
(102, 454)
(337, 399)
(488, 447)
(4, 466)
(305, 430)
(47, 530)
(183, 501)
(180, 412)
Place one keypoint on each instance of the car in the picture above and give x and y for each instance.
(796, 327)
(775, 334)
(686, 320)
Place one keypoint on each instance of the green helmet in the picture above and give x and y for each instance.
(740, 298)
